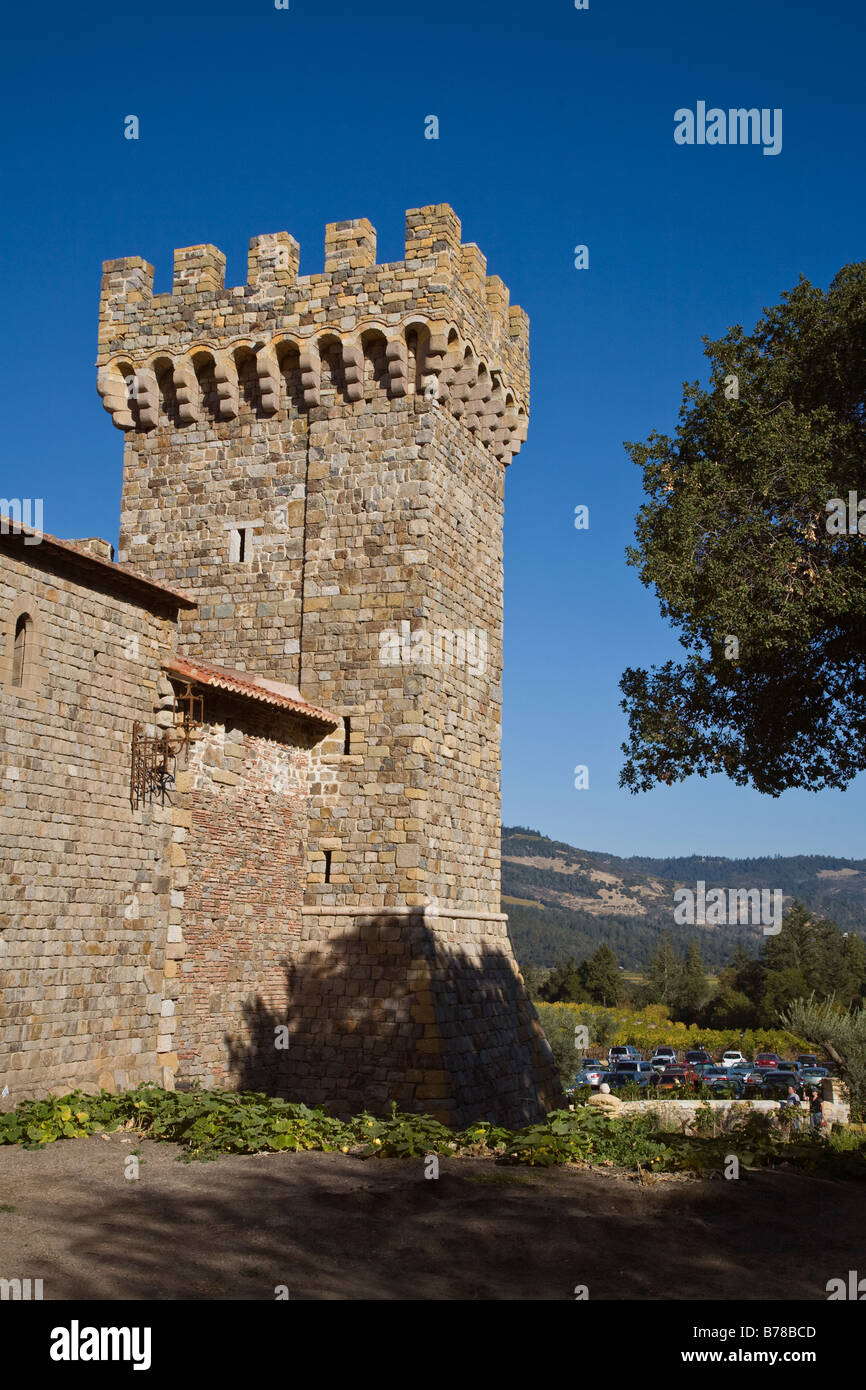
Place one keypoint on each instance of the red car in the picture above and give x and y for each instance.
(768, 1059)
(679, 1075)
(670, 1079)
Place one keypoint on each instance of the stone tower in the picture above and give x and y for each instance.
(320, 460)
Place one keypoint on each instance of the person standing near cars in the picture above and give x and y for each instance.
(791, 1106)
(816, 1110)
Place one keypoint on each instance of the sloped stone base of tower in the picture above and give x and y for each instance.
(429, 1012)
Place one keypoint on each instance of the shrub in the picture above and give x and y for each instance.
(208, 1123)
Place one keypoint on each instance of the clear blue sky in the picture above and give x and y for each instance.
(556, 128)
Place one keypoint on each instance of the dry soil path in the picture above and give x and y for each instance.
(329, 1226)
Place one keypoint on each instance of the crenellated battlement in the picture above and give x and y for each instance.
(448, 333)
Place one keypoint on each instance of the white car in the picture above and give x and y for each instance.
(733, 1058)
(662, 1060)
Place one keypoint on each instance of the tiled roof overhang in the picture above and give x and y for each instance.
(249, 686)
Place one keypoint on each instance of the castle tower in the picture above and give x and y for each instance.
(320, 461)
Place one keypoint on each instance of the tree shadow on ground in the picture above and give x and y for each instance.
(329, 1226)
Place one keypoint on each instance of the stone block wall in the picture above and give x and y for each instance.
(84, 879)
(428, 1012)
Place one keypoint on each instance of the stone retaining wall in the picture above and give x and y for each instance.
(837, 1109)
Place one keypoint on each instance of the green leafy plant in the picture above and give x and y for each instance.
(206, 1124)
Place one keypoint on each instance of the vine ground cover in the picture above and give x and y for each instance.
(209, 1123)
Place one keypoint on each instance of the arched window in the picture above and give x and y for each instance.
(19, 655)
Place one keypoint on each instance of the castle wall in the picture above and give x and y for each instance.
(355, 426)
(187, 492)
(404, 538)
(427, 1010)
(84, 889)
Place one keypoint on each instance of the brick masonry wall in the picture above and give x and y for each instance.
(238, 855)
(85, 892)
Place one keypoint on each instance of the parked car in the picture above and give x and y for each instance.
(806, 1060)
(674, 1078)
(767, 1059)
(769, 1083)
(733, 1058)
(716, 1077)
(616, 1080)
(686, 1073)
(624, 1053)
(641, 1072)
(753, 1084)
(669, 1053)
(698, 1054)
(587, 1076)
(646, 1074)
(775, 1084)
(811, 1076)
(671, 1079)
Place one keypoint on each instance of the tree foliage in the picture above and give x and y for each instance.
(596, 980)
(841, 1034)
(694, 988)
(664, 973)
(600, 975)
(563, 984)
(809, 957)
(734, 540)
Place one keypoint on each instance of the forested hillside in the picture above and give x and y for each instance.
(562, 901)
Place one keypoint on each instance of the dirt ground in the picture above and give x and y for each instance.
(329, 1226)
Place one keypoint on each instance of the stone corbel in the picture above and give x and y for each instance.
(465, 383)
(353, 367)
(111, 385)
(186, 386)
(146, 397)
(226, 378)
(434, 384)
(311, 375)
(270, 378)
(398, 366)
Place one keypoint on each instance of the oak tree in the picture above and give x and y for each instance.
(767, 594)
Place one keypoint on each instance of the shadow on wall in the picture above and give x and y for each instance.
(383, 1010)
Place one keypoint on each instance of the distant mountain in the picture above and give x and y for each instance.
(562, 901)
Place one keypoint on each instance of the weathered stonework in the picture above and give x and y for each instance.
(319, 462)
(132, 935)
(85, 900)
